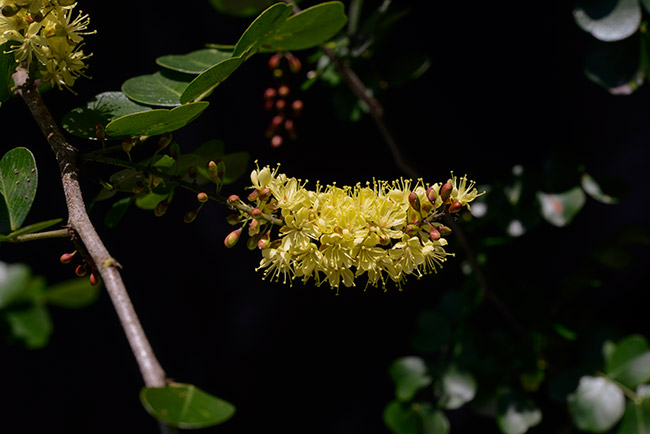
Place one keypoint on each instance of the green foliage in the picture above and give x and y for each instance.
(18, 183)
(155, 122)
(7, 66)
(185, 406)
(164, 88)
(195, 62)
(241, 8)
(24, 301)
(597, 404)
(409, 375)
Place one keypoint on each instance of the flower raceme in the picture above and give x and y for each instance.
(44, 35)
(385, 230)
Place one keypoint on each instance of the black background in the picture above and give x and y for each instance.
(506, 87)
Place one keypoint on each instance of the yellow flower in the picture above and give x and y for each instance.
(463, 191)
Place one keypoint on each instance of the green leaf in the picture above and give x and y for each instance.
(308, 28)
(204, 83)
(195, 62)
(618, 67)
(409, 375)
(458, 388)
(72, 294)
(636, 419)
(516, 414)
(150, 200)
(185, 406)
(265, 25)
(117, 211)
(608, 20)
(13, 279)
(646, 5)
(434, 332)
(597, 404)
(560, 209)
(18, 182)
(236, 165)
(240, 8)
(36, 227)
(591, 187)
(154, 122)
(7, 67)
(32, 325)
(630, 362)
(417, 418)
(163, 88)
(101, 109)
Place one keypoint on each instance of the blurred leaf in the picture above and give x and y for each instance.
(240, 8)
(13, 278)
(618, 67)
(308, 28)
(154, 122)
(646, 5)
(164, 162)
(596, 405)
(458, 388)
(18, 182)
(591, 187)
(409, 375)
(516, 414)
(401, 420)
(7, 67)
(72, 294)
(560, 209)
(630, 362)
(205, 82)
(236, 165)
(163, 88)
(608, 20)
(266, 24)
(124, 180)
(185, 406)
(565, 332)
(117, 211)
(636, 419)
(150, 200)
(211, 150)
(32, 325)
(195, 62)
(36, 227)
(101, 109)
(405, 66)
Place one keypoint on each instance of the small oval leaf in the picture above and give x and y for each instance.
(597, 404)
(18, 182)
(163, 88)
(185, 406)
(240, 8)
(458, 388)
(629, 364)
(409, 375)
(154, 122)
(210, 78)
(609, 20)
(195, 62)
(72, 294)
(266, 24)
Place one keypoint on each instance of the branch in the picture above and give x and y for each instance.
(78, 221)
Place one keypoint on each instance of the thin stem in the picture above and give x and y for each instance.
(58, 233)
(79, 222)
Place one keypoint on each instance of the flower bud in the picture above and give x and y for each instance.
(274, 61)
(294, 63)
(253, 226)
(175, 151)
(414, 200)
(444, 230)
(202, 197)
(127, 144)
(284, 91)
(432, 195)
(233, 219)
(280, 105)
(138, 187)
(411, 230)
(213, 172)
(270, 93)
(277, 73)
(190, 216)
(264, 194)
(232, 238)
(254, 194)
(161, 208)
(264, 241)
(81, 270)
(164, 141)
(67, 257)
(193, 172)
(297, 107)
(93, 279)
(455, 207)
(251, 243)
(434, 234)
(289, 125)
(256, 213)
(276, 141)
(232, 199)
(445, 191)
(268, 105)
(100, 132)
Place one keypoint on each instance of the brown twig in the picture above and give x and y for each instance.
(79, 222)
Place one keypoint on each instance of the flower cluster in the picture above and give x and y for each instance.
(44, 35)
(333, 234)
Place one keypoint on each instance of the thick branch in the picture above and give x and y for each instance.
(78, 220)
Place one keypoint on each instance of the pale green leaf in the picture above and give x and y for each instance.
(195, 62)
(18, 182)
(608, 20)
(596, 405)
(163, 88)
(155, 122)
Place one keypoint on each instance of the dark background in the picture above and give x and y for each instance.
(506, 87)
